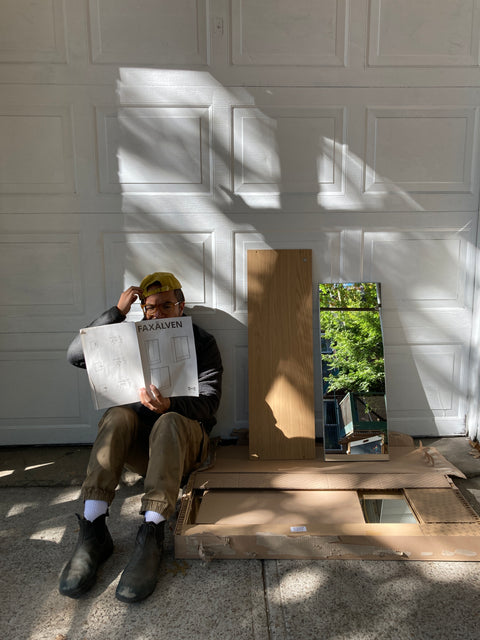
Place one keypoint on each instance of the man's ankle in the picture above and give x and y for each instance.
(154, 516)
(94, 508)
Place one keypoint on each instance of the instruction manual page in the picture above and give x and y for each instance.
(121, 358)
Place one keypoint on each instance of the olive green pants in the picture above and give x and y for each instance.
(164, 454)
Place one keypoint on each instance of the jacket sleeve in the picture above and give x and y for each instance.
(75, 351)
(210, 371)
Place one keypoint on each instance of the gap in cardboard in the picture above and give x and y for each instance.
(386, 508)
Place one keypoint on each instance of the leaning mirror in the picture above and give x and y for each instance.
(353, 373)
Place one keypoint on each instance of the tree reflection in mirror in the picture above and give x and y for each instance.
(353, 372)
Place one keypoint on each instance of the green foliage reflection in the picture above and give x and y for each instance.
(351, 330)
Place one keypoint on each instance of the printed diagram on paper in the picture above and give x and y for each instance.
(122, 358)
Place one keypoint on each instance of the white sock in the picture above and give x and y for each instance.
(94, 508)
(153, 516)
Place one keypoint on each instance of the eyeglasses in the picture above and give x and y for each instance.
(165, 307)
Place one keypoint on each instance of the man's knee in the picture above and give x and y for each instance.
(119, 419)
(173, 428)
(170, 422)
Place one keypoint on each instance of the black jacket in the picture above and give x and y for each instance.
(210, 370)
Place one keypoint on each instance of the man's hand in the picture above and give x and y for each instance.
(127, 298)
(153, 399)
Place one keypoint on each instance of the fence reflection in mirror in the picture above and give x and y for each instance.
(353, 372)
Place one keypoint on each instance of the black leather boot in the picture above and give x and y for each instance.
(94, 546)
(141, 573)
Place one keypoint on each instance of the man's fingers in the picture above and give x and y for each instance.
(155, 392)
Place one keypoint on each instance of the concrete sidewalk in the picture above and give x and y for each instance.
(238, 599)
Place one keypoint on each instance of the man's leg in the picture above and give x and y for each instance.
(118, 430)
(177, 446)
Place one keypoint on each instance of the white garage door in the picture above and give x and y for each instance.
(142, 135)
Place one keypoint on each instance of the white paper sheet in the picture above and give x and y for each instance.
(121, 358)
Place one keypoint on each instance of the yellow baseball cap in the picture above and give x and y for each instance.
(162, 280)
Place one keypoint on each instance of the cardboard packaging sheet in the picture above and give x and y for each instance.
(242, 508)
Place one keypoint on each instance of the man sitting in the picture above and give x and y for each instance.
(162, 439)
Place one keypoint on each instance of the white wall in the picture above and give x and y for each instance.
(143, 135)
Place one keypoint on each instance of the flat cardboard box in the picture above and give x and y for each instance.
(242, 508)
(293, 509)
